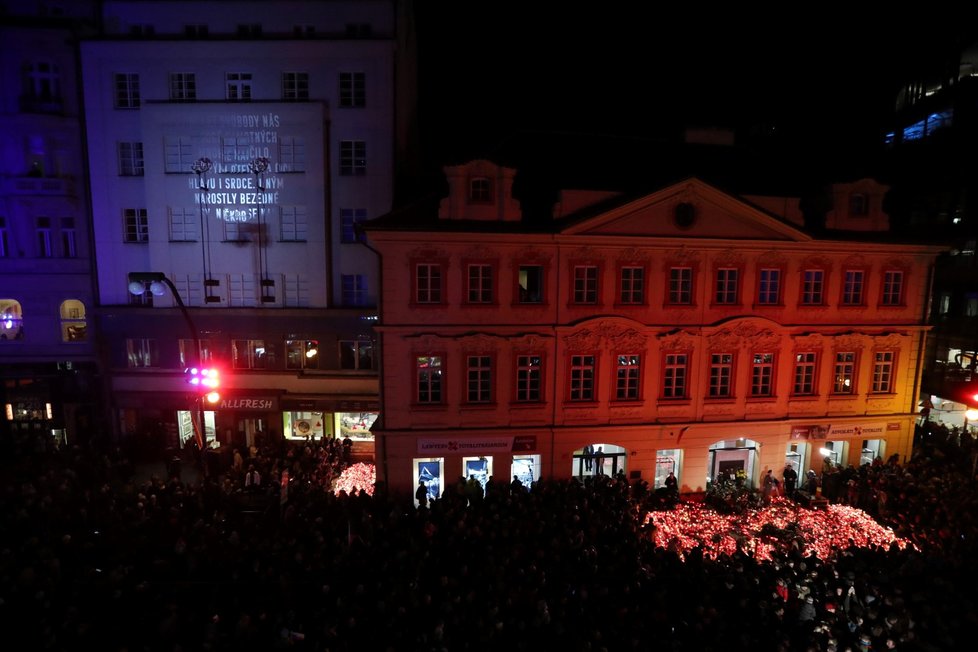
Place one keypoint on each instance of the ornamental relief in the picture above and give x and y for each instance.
(888, 341)
(817, 261)
(425, 342)
(623, 340)
(809, 341)
(772, 258)
(683, 256)
(633, 255)
(757, 338)
(723, 341)
(585, 253)
(673, 341)
(529, 343)
(478, 344)
(848, 342)
(897, 263)
(729, 257)
(532, 256)
(479, 252)
(855, 261)
(429, 253)
(583, 340)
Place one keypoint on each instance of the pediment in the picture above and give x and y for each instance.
(689, 209)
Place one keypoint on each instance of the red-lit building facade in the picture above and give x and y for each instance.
(687, 330)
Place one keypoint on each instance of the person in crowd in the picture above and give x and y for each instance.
(789, 478)
(421, 494)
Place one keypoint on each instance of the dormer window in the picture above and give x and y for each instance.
(858, 204)
(480, 190)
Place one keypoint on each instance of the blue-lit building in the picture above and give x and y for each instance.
(48, 353)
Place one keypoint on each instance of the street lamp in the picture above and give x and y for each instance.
(158, 284)
(259, 166)
(201, 167)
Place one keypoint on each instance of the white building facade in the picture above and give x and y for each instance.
(235, 153)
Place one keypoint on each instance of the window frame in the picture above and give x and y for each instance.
(352, 155)
(126, 91)
(680, 291)
(582, 294)
(518, 293)
(884, 371)
(130, 159)
(887, 294)
(441, 384)
(628, 294)
(628, 378)
(183, 86)
(763, 384)
(441, 289)
(765, 292)
(479, 368)
(805, 374)
(357, 345)
(237, 86)
(853, 294)
(253, 357)
(481, 190)
(721, 375)
(726, 285)
(523, 390)
(486, 293)
(675, 376)
(849, 370)
(135, 226)
(352, 87)
(807, 296)
(295, 86)
(355, 295)
(582, 377)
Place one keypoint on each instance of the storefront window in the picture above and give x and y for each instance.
(795, 457)
(666, 462)
(836, 451)
(428, 470)
(526, 469)
(735, 459)
(185, 425)
(355, 425)
(872, 448)
(305, 425)
(479, 468)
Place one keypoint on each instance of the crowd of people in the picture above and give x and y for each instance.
(95, 558)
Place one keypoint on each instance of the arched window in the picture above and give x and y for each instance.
(73, 325)
(11, 320)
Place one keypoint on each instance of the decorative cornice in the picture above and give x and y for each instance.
(633, 255)
(676, 341)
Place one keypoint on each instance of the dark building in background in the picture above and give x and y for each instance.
(49, 378)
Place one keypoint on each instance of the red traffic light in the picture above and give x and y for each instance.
(206, 378)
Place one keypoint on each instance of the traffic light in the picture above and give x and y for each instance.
(206, 380)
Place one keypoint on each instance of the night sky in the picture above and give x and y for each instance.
(492, 75)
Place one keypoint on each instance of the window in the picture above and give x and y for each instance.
(233, 231)
(804, 374)
(354, 289)
(142, 352)
(845, 373)
(681, 286)
(11, 320)
(238, 86)
(350, 218)
(726, 286)
(812, 286)
(291, 154)
(249, 29)
(249, 354)
(529, 378)
(353, 158)
(478, 378)
(971, 304)
(4, 238)
(357, 354)
(295, 86)
(428, 369)
(42, 232)
(69, 238)
(582, 378)
(943, 301)
(674, 376)
(183, 87)
(762, 374)
(293, 223)
(852, 288)
(858, 204)
(721, 373)
(183, 224)
(353, 90)
(479, 287)
(236, 149)
(883, 372)
(530, 282)
(42, 81)
(301, 354)
(585, 284)
(177, 154)
(480, 190)
(126, 91)
(769, 286)
(632, 286)
(131, 159)
(627, 377)
(427, 283)
(892, 288)
(73, 325)
(190, 356)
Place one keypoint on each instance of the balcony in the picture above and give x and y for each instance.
(46, 186)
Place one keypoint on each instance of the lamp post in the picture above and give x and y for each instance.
(259, 166)
(201, 167)
(158, 284)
